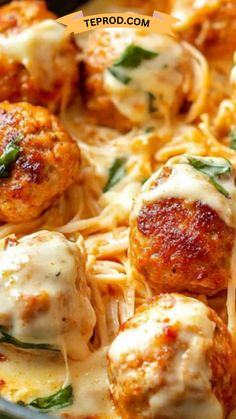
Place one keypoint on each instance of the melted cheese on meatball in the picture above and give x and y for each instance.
(158, 79)
(191, 185)
(43, 293)
(36, 48)
(184, 386)
(185, 182)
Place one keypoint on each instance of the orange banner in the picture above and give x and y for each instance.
(159, 22)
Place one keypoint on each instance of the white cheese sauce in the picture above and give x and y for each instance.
(28, 376)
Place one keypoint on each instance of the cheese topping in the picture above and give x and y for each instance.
(160, 77)
(43, 293)
(36, 48)
(185, 182)
(184, 386)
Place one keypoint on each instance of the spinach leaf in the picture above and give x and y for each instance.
(59, 400)
(116, 173)
(119, 75)
(213, 170)
(232, 136)
(6, 338)
(133, 55)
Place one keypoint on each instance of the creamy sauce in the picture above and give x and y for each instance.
(91, 388)
(159, 76)
(36, 48)
(29, 376)
(43, 292)
(185, 389)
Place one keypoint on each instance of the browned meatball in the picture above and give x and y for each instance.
(175, 360)
(155, 78)
(37, 62)
(46, 165)
(180, 240)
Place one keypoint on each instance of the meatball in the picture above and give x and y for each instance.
(37, 61)
(130, 76)
(45, 161)
(183, 226)
(44, 295)
(174, 359)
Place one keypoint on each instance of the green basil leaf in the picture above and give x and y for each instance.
(59, 400)
(116, 173)
(151, 102)
(232, 136)
(148, 130)
(213, 170)
(6, 338)
(133, 55)
(144, 181)
(119, 75)
(9, 156)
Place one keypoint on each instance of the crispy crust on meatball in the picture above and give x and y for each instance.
(16, 83)
(180, 246)
(132, 395)
(47, 165)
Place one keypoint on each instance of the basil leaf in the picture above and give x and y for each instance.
(9, 156)
(213, 170)
(116, 173)
(151, 102)
(119, 75)
(148, 130)
(133, 55)
(6, 338)
(59, 400)
(232, 136)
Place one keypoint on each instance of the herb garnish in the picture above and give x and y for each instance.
(213, 169)
(151, 102)
(133, 55)
(116, 173)
(58, 400)
(148, 130)
(6, 338)
(9, 156)
(232, 136)
(119, 75)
